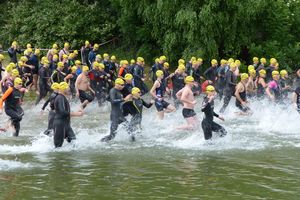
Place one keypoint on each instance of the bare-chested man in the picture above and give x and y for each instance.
(82, 86)
(186, 96)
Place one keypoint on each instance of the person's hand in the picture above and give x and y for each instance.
(244, 103)
(77, 94)
(221, 118)
(194, 102)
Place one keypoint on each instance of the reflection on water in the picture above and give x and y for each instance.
(258, 159)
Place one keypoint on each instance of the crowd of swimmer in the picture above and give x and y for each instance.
(65, 77)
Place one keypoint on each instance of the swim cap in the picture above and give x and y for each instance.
(128, 77)
(214, 62)
(37, 51)
(255, 59)
(181, 68)
(87, 42)
(75, 52)
(18, 81)
(273, 61)
(98, 56)
(262, 71)
(283, 72)
(8, 68)
(13, 65)
(77, 62)
(66, 44)
(15, 72)
(132, 61)
(189, 79)
(159, 73)
(263, 60)
(55, 56)
(113, 57)
(230, 60)
(96, 46)
(20, 63)
(274, 73)
(55, 86)
(210, 88)
(54, 51)
(72, 55)
(140, 59)
(60, 64)
(65, 56)
(166, 65)
(232, 65)
(223, 62)
(95, 64)
(193, 58)
(250, 67)
(194, 62)
(119, 81)
(199, 60)
(63, 86)
(14, 43)
(24, 59)
(162, 58)
(244, 76)
(73, 69)
(252, 72)
(101, 66)
(135, 90)
(105, 55)
(237, 62)
(54, 46)
(85, 68)
(181, 61)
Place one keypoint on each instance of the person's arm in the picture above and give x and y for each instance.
(121, 72)
(113, 97)
(77, 82)
(239, 89)
(51, 97)
(5, 95)
(147, 105)
(270, 95)
(230, 79)
(137, 72)
(152, 91)
(69, 76)
(60, 108)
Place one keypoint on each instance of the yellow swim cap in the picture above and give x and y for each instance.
(193, 58)
(55, 56)
(159, 73)
(75, 52)
(72, 55)
(95, 64)
(15, 72)
(181, 68)
(24, 59)
(14, 43)
(77, 62)
(283, 72)
(230, 60)
(119, 81)
(73, 69)
(60, 64)
(63, 86)
(87, 42)
(96, 46)
(55, 86)
(65, 56)
(20, 63)
(263, 60)
(113, 57)
(223, 62)
(98, 56)
(189, 79)
(214, 62)
(132, 61)
(250, 67)
(85, 68)
(140, 59)
(237, 62)
(274, 73)
(105, 55)
(18, 81)
(37, 51)
(101, 66)
(181, 61)
(166, 65)
(66, 44)
(13, 65)
(210, 88)
(255, 59)
(262, 72)
(8, 68)
(128, 77)
(244, 76)
(200, 60)
(54, 46)
(273, 61)
(135, 91)
(252, 71)
(125, 62)
(232, 65)
(54, 51)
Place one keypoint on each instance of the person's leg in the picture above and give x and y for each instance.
(219, 129)
(206, 127)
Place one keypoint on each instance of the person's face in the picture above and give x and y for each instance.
(276, 77)
(137, 95)
(298, 73)
(19, 86)
(120, 86)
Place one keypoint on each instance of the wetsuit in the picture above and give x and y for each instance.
(57, 76)
(178, 84)
(195, 73)
(44, 76)
(211, 74)
(208, 125)
(85, 54)
(160, 103)
(269, 71)
(92, 58)
(154, 68)
(116, 115)
(260, 89)
(62, 123)
(221, 81)
(27, 75)
(34, 60)
(297, 91)
(230, 83)
(123, 71)
(13, 109)
(276, 90)
(51, 115)
(8, 83)
(243, 96)
(138, 74)
(72, 84)
(12, 52)
(283, 83)
(136, 112)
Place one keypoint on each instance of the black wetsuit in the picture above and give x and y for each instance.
(116, 115)
(221, 81)
(127, 106)
(57, 76)
(269, 71)
(297, 91)
(243, 96)
(44, 76)
(160, 103)
(27, 75)
(195, 73)
(230, 83)
(136, 112)
(12, 52)
(178, 84)
(138, 74)
(208, 125)
(154, 68)
(283, 83)
(1, 70)
(211, 74)
(62, 122)
(260, 89)
(72, 84)
(51, 115)
(14, 110)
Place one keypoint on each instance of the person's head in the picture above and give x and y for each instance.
(214, 63)
(55, 58)
(37, 52)
(210, 90)
(181, 69)
(255, 60)
(101, 67)
(251, 67)
(71, 56)
(119, 84)
(14, 73)
(252, 73)
(14, 44)
(159, 74)
(128, 78)
(24, 59)
(276, 66)
(166, 65)
(124, 63)
(275, 75)
(232, 66)
(66, 46)
(132, 61)
(106, 56)
(273, 62)
(77, 62)
(46, 63)
(195, 64)
(237, 63)
(87, 43)
(189, 81)
(20, 64)
(263, 61)
(193, 58)
(75, 53)
(262, 73)
(18, 83)
(85, 70)
(60, 66)
(95, 65)
(181, 61)
(162, 59)
(73, 69)
(298, 73)
(244, 77)
(65, 57)
(136, 92)
(199, 61)
(1, 57)
(140, 61)
(64, 88)
(98, 57)
(55, 46)
(223, 62)
(113, 58)
(284, 74)
(54, 51)
(96, 47)
(55, 87)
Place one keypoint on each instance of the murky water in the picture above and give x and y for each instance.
(259, 159)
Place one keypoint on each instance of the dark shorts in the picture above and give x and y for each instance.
(161, 105)
(242, 108)
(187, 113)
(85, 96)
